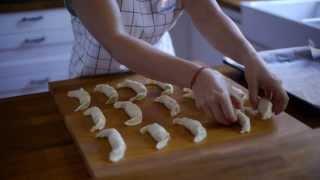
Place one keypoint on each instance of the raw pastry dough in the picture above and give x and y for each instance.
(116, 142)
(187, 93)
(194, 126)
(133, 111)
(169, 103)
(239, 95)
(97, 116)
(109, 91)
(158, 133)
(265, 108)
(83, 97)
(244, 121)
(138, 87)
(167, 88)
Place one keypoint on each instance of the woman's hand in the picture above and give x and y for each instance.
(260, 78)
(211, 93)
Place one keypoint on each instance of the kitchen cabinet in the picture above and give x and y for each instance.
(35, 48)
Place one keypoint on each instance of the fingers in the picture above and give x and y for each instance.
(235, 102)
(218, 114)
(227, 108)
(277, 95)
(212, 108)
(268, 93)
(201, 105)
(218, 107)
(253, 92)
(206, 109)
(198, 104)
(280, 101)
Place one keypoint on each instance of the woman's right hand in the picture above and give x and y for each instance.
(211, 93)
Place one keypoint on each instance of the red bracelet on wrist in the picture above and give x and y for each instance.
(196, 74)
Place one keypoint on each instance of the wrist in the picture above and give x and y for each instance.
(196, 75)
(247, 55)
(252, 60)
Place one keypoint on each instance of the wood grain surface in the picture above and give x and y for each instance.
(37, 145)
(7, 6)
(141, 154)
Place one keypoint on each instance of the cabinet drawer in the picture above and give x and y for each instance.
(25, 84)
(29, 88)
(17, 56)
(12, 23)
(21, 92)
(39, 66)
(35, 39)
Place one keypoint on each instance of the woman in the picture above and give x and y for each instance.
(111, 35)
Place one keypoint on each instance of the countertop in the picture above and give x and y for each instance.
(234, 4)
(30, 5)
(41, 4)
(36, 145)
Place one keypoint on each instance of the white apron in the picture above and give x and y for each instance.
(148, 20)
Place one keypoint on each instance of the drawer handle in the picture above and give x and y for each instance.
(31, 19)
(34, 40)
(39, 81)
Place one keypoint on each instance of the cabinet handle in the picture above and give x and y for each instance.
(31, 19)
(34, 40)
(39, 81)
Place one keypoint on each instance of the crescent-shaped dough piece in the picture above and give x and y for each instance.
(167, 87)
(265, 108)
(188, 93)
(239, 95)
(133, 111)
(194, 126)
(244, 121)
(169, 103)
(97, 116)
(158, 133)
(109, 91)
(116, 142)
(83, 97)
(138, 87)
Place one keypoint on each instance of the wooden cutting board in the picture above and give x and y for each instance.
(141, 155)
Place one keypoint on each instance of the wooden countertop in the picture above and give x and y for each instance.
(233, 4)
(36, 145)
(17, 6)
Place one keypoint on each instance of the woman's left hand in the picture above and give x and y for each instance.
(258, 78)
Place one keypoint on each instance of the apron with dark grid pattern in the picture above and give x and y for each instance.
(148, 20)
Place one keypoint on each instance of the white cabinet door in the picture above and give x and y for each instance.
(38, 66)
(32, 75)
(27, 84)
(12, 23)
(35, 48)
(35, 39)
